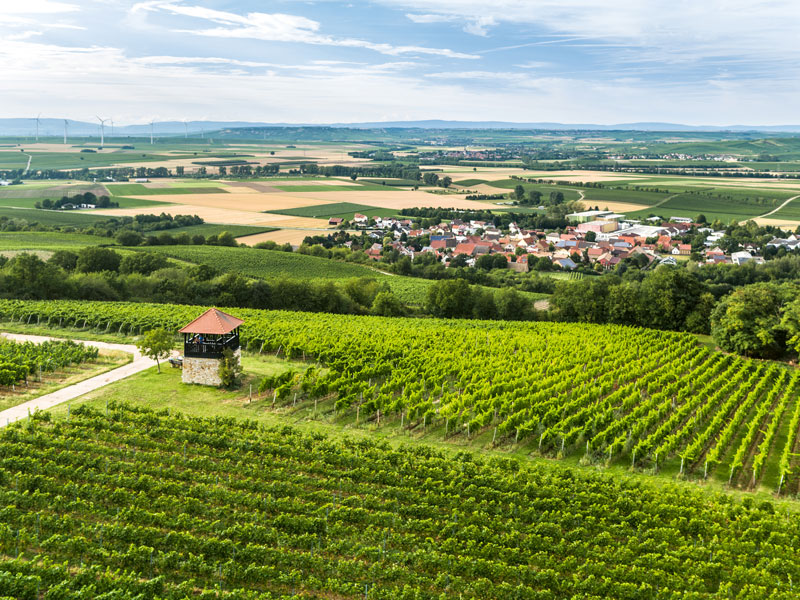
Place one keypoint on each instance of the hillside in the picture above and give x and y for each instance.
(655, 401)
(141, 505)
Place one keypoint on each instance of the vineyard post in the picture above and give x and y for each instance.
(274, 397)
(705, 471)
(780, 485)
(315, 406)
(358, 410)
(402, 418)
(250, 398)
(494, 435)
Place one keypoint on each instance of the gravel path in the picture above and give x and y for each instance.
(140, 363)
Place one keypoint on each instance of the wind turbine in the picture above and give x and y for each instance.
(37, 125)
(151, 132)
(65, 131)
(185, 130)
(112, 127)
(102, 131)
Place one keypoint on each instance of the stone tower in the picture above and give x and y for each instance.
(204, 340)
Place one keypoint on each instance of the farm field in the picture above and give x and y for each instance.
(47, 240)
(29, 370)
(280, 236)
(274, 264)
(344, 210)
(299, 515)
(57, 218)
(655, 401)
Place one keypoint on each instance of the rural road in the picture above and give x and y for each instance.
(772, 212)
(140, 363)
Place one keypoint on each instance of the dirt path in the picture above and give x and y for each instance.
(772, 212)
(140, 363)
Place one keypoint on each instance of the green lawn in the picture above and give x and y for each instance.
(166, 390)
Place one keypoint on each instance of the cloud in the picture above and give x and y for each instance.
(474, 25)
(79, 82)
(279, 27)
(38, 7)
(682, 31)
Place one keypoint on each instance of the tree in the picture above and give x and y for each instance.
(229, 368)
(386, 304)
(519, 192)
(450, 298)
(66, 259)
(590, 236)
(748, 321)
(127, 237)
(94, 259)
(156, 344)
(791, 324)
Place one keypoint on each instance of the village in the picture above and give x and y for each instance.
(598, 239)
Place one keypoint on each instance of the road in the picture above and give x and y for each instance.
(140, 363)
(772, 212)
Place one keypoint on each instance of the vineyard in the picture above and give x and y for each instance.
(649, 399)
(20, 360)
(133, 504)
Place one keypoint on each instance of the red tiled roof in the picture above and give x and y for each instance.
(213, 321)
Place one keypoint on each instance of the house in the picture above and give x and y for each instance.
(684, 249)
(739, 258)
(680, 220)
(565, 263)
(335, 221)
(467, 248)
(361, 219)
(669, 261)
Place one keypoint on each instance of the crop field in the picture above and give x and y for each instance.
(77, 159)
(47, 240)
(345, 210)
(268, 264)
(652, 400)
(137, 189)
(208, 229)
(139, 504)
(55, 217)
(54, 192)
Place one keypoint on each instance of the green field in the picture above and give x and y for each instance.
(79, 160)
(208, 229)
(48, 240)
(137, 189)
(471, 182)
(355, 186)
(344, 210)
(53, 217)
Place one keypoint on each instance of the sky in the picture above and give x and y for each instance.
(696, 62)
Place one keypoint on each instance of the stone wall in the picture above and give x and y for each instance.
(204, 371)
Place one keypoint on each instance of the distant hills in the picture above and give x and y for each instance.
(25, 127)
